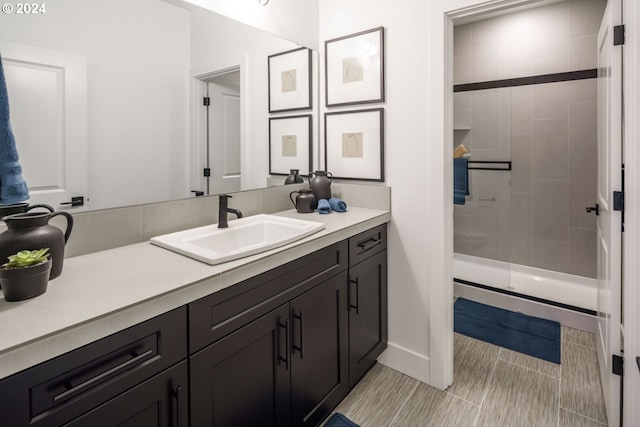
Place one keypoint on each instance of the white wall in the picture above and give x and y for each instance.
(207, 30)
(137, 123)
(407, 160)
(418, 51)
(295, 20)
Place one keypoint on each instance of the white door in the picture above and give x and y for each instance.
(224, 133)
(48, 110)
(609, 221)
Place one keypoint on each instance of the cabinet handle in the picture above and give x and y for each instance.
(103, 376)
(369, 244)
(301, 318)
(357, 305)
(177, 394)
(286, 346)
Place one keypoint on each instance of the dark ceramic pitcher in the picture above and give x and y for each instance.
(31, 231)
(6, 210)
(305, 201)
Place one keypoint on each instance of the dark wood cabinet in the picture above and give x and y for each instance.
(280, 349)
(319, 351)
(288, 367)
(73, 386)
(243, 379)
(161, 401)
(368, 330)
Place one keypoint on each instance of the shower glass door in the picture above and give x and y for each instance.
(482, 225)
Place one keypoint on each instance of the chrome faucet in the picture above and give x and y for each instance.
(223, 209)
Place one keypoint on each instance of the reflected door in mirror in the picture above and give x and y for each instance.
(47, 102)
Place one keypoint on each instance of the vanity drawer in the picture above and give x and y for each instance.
(219, 314)
(366, 244)
(62, 388)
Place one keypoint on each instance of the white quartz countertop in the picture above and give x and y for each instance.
(104, 292)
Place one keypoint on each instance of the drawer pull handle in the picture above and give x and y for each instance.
(356, 306)
(294, 347)
(177, 394)
(286, 346)
(104, 376)
(369, 244)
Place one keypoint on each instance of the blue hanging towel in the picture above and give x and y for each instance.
(13, 189)
(460, 180)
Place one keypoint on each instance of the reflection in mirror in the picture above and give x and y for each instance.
(106, 101)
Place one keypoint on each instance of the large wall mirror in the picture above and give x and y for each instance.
(107, 93)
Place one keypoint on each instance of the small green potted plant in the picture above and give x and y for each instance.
(26, 275)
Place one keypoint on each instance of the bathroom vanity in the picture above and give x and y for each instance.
(275, 339)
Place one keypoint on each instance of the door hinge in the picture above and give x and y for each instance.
(207, 172)
(618, 35)
(618, 201)
(617, 364)
(206, 101)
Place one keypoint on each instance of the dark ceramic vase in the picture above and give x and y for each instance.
(31, 231)
(293, 177)
(320, 183)
(23, 283)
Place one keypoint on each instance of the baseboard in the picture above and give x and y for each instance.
(406, 361)
(571, 318)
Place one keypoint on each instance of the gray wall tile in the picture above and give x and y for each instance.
(522, 110)
(582, 252)
(101, 230)
(551, 208)
(551, 149)
(551, 101)
(585, 16)
(522, 222)
(551, 255)
(162, 218)
(583, 53)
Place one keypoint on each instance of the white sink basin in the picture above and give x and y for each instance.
(243, 237)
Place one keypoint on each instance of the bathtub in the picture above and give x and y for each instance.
(557, 296)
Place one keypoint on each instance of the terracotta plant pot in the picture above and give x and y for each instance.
(23, 283)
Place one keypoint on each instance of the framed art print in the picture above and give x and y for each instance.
(354, 144)
(354, 68)
(290, 144)
(290, 80)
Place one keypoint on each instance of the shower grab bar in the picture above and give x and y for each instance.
(489, 165)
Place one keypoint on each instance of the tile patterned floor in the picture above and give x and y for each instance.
(493, 387)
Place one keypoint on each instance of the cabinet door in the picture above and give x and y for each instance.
(367, 314)
(158, 402)
(243, 379)
(319, 351)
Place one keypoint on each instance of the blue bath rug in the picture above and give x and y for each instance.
(339, 420)
(516, 331)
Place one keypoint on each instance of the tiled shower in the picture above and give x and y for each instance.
(533, 214)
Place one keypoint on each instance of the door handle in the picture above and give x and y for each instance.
(177, 395)
(75, 201)
(595, 209)
(286, 345)
(300, 333)
(357, 304)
